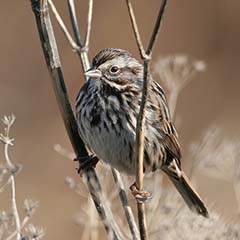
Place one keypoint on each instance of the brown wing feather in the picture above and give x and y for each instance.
(170, 141)
(169, 133)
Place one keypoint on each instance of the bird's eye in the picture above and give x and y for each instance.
(114, 69)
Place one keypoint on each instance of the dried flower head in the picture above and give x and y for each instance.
(36, 233)
(5, 217)
(30, 206)
(8, 120)
(177, 70)
(216, 155)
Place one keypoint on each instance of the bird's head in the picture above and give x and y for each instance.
(116, 67)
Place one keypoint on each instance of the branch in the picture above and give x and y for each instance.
(5, 139)
(23, 224)
(146, 56)
(40, 9)
(127, 209)
(89, 24)
(135, 30)
(156, 28)
(82, 53)
(74, 46)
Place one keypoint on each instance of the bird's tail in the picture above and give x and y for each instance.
(181, 182)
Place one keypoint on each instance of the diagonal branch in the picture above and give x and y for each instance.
(127, 209)
(68, 36)
(83, 49)
(135, 30)
(146, 56)
(156, 28)
(72, 11)
(40, 9)
(89, 24)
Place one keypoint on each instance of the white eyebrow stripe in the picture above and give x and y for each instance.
(119, 61)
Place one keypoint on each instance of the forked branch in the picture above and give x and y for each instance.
(40, 9)
(146, 56)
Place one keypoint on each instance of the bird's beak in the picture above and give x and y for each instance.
(93, 73)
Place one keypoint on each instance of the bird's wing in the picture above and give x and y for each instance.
(168, 131)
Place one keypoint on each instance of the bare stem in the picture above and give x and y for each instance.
(140, 152)
(82, 53)
(89, 24)
(23, 224)
(127, 209)
(7, 142)
(135, 30)
(74, 46)
(146, 56)
(156, 27)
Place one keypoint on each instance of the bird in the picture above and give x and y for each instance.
(107, 107)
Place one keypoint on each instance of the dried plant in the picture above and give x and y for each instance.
(11, 226)
(217, 156)
(166, 217)
(146, 56)
(176, 72)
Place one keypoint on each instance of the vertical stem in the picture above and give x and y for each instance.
(15, 210)
(146, 56)
(13, 188)
(140, 152)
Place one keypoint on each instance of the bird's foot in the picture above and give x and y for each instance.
(86, 163)
(140, 195)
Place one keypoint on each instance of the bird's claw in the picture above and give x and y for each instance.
(140, 195)
(86, 163)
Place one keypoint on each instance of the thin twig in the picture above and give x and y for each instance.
(82, 53)
(72, 11)
(63, 27)
(156, 28)
(89, 24)
(146, 56)
(135, 30)
(40, 9)
(24, 222)
(140, 152)
(127, 209)
(8, 121)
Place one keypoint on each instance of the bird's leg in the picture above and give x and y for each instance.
(140, 195)
(86, 163)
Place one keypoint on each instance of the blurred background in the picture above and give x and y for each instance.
(206, 30)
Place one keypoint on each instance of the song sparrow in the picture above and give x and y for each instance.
(107, 107)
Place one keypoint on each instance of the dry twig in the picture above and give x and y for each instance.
(146, 57)
(7, 141)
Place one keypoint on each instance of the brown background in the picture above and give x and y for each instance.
(208, 30)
